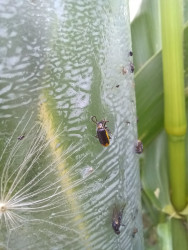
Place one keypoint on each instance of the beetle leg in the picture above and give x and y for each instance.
(104, 122)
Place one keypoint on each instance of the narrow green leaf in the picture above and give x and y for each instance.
(149, 99)
(149, 94)
(155, 164)
(179, 234)
(145, 30)
(164, 232)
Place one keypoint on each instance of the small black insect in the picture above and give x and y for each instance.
(116, 219)
(117, 86)
(139, 147)
(131, 67)
(21, 137)
(130, 53)
(102, 131)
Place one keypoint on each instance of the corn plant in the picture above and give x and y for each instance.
(67, 76)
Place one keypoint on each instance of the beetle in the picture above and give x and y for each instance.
(102, 131)
(116, 219)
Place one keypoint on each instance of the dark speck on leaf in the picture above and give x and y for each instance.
(135, 230)
(131, 67)
(21, 137)
(139, 147)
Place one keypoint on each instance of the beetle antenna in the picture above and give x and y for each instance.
(94, 119)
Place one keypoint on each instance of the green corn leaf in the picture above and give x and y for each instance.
(64, 62)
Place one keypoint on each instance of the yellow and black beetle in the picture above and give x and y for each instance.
(102, 131)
